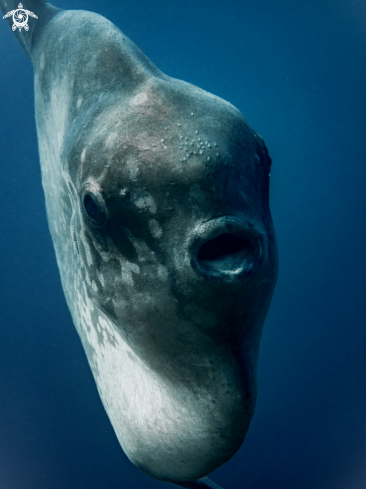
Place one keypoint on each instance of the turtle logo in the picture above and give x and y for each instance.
(20, 17)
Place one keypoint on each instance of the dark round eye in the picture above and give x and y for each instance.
(93, 204)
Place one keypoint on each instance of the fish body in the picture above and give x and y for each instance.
(157, 197)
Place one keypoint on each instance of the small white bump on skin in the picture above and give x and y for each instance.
(146, 202)
(155, 229)
(79, 101)
(94, 286)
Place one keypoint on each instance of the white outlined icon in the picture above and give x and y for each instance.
(20, 17)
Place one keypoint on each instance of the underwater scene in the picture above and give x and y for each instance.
(297, 73)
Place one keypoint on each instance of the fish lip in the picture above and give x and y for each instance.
(215, 227)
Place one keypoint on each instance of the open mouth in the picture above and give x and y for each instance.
(225, 252)
(226, 247)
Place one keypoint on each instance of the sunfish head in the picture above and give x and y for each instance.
(178, 262)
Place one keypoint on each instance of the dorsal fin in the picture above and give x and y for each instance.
(43, 10)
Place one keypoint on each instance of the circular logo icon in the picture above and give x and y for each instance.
(20, 18)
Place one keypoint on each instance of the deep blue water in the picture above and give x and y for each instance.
(297, 71)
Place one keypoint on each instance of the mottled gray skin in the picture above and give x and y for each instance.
(171, 330)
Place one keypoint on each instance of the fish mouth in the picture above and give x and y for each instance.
(226, 248)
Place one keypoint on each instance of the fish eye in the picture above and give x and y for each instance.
(93, 205)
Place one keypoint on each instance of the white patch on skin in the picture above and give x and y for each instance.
(87, 278)
(83, 154)
(94, 286)
(101, 278)
(111, 139)
(132, 168)
(42, 62)
(104, 256)
(126, 267)
(146, 203)
(163, 273)
(120, 303)
(142, 408)
(89, 257)
(140, 99)
(79, 101)
(155, 229)
(141, 248)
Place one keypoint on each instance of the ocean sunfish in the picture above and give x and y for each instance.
(157, 197)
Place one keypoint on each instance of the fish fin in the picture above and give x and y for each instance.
(204, 483)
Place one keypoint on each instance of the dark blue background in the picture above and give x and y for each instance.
(297, 71)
